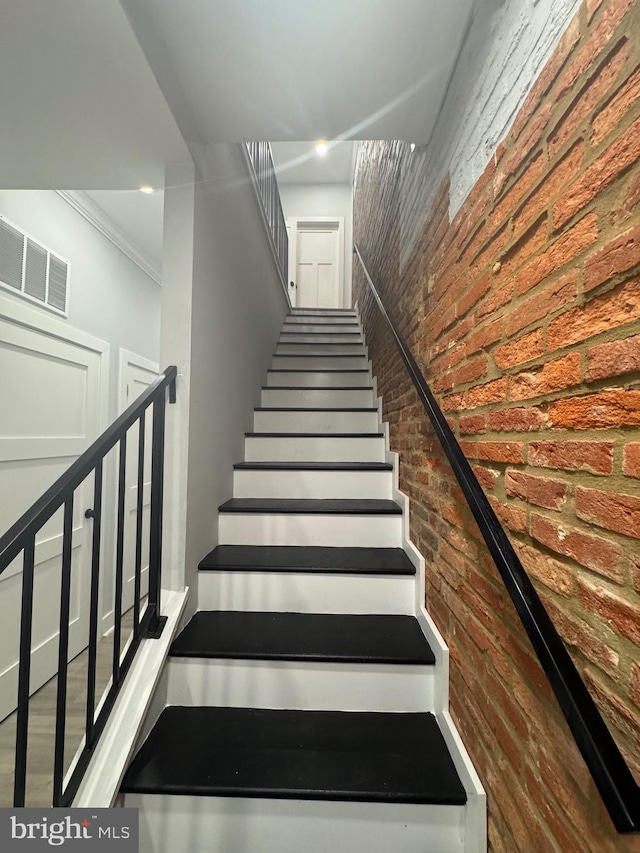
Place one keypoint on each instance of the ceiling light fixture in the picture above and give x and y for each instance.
(146, 189)
(412, 146)
(321, 148)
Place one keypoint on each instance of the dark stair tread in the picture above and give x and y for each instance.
(321, 343)
(351, 325)
(318, 370)
(321, 312)
(313, 466)
(326, 345)
(315, 755)
(315, 355)
(303, 506)
(312, 558)
(316, 332)
(317, 387)
(304, 636)
(314, 409)
(310, 312)
(341, 325)
(314, 434)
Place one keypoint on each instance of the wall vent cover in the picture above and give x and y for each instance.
(30, 268)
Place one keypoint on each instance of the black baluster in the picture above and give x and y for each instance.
(96, 515)
(22, 722)
(63, 652)
(157, 496)
(117, 608)
(139, 520)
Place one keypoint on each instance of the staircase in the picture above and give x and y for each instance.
(307, 698)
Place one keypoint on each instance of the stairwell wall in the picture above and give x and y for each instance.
(520, 298)
(238, 307)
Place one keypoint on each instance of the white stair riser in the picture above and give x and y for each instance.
(318, 421)
(254, 825)
(357, 531)
(300, 592)
(309, 398)
(326, 328)
(331, 349)
(320, 362)
(310, 379)
(338, 338)
(312, 449)
(312, 484)
(300, 685)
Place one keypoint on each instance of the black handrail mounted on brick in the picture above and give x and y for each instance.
(21, 539)
(608, 768)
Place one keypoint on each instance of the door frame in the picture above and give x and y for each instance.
(128, 358)
(125, 357)
(300, 223)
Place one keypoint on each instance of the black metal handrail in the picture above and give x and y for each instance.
(261, 161)
(612, 776)
(21, 538)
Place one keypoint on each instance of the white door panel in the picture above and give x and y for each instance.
(316, 261)
(307, 284)
(53, 381)
(327, 284)
(136, 374)
(46, 608)
(317, 244)
(318, 268)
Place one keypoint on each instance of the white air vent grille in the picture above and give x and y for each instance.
(32, 269)
(11, 255)
(35, 271)
(57, 283)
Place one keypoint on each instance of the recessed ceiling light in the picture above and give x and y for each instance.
(146, 189)
(321, 148)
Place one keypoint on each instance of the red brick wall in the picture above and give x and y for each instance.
(524, 313)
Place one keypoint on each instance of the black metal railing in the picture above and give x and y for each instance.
(21, 539)
(265, 176)
(612, 776)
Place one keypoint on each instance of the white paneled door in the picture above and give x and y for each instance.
(319, 263)
(136, 374)
(316, 262)
(53, 382)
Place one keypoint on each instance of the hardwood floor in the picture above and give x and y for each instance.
(42, 707)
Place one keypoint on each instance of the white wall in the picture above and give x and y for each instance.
(175, 348)
(300, 200)
(505, 50)
(109, 296)
(237, 306)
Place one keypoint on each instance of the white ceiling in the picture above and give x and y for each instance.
(290, 70)
(98, 95)
(299, 163)
(79, 104)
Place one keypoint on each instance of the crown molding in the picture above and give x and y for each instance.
(94, 214)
